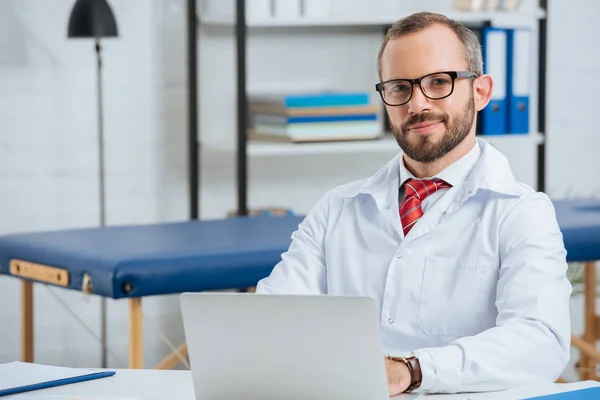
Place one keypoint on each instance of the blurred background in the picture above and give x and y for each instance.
(49, 155)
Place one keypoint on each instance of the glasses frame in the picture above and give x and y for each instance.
(453, 75)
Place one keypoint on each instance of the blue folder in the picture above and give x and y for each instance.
(494, 116)
(58, 382)
(582, 394)
(519, 43)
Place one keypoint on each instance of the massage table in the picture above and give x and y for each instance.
(131, 262)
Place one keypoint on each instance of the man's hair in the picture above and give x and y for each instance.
(419, 21)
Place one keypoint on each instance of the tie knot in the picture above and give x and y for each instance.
(421, 188)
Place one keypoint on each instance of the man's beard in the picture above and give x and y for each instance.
(421, 149)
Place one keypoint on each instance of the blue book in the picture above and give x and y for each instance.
(325, 99)
(272, 119)
(19, 377)
(582, 394)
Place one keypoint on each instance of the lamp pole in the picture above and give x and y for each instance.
(103, 333)
(94, 19)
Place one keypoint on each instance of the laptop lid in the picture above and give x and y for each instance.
(255, 346)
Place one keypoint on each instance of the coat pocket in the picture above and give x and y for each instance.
(458, 296)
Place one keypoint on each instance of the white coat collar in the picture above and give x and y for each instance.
(491, 172)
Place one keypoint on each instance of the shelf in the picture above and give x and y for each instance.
(386, 145)
(263, 148)
(496, 18)
(259, 148)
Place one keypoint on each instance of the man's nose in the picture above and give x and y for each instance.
(418, 102)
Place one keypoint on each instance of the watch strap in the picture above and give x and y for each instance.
(414, 368)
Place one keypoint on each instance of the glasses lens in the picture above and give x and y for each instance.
(437, 86)
(396, 92)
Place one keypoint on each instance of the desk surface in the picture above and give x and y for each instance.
(177, 385)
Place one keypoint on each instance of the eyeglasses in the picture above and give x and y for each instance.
(435, 86)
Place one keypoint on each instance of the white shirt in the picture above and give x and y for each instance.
(454, 174)
(477, 290)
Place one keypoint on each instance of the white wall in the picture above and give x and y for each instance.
(573, 137)
(48, 150)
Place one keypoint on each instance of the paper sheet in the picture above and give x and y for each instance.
(17, 374)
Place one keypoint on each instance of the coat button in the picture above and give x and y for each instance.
(391, 320)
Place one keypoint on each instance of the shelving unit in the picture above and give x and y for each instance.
(245, 148)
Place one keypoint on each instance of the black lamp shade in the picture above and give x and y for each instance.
(92, 19)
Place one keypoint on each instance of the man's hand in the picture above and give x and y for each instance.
(398, 376)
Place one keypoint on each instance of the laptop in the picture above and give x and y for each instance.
(259, 346)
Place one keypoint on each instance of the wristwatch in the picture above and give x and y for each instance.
(414, 367)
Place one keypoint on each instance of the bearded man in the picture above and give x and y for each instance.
(467, 266)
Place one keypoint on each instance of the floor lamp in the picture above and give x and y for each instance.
(94, 19)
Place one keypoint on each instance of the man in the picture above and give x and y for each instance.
(467, 265)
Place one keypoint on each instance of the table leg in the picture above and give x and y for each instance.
(170, 361)
(587, 364)
(135, 334)
(26, 321)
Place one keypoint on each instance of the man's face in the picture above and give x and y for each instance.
(426, 129)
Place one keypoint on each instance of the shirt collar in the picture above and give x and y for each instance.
(484, 167)
(454, 174)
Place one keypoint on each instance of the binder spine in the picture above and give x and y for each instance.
(494, 116)
(519, 81)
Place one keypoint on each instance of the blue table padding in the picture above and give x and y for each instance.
(160, 258)
(579, 222)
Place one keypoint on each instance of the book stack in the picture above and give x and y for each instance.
(315, 117)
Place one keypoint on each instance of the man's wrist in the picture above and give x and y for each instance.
(414, 369)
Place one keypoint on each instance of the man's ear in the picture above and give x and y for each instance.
(482, 91)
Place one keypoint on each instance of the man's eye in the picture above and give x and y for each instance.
(440, 82)
(400, 88)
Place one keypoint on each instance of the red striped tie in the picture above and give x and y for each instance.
(415, 191)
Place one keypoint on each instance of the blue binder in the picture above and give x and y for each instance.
(519, 44)
(581, 394)
(41, 383)
(494, 116)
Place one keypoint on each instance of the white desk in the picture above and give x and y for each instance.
(129, 384)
